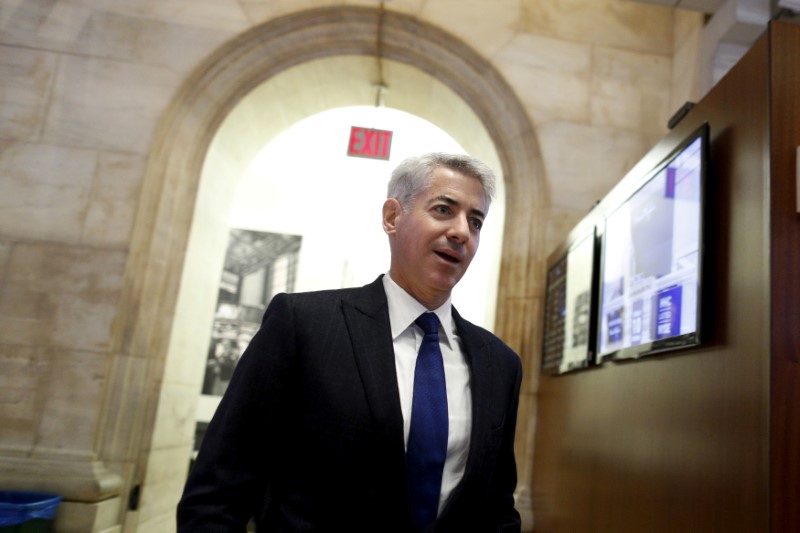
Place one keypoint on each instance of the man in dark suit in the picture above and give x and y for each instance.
(325, 425)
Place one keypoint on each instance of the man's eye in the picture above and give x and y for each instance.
(476, 223)
(442, 209)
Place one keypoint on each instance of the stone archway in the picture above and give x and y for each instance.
(142, 326)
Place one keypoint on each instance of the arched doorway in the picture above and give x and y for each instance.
(301, 187)
(173, 191)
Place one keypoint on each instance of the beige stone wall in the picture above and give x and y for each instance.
(86, 90)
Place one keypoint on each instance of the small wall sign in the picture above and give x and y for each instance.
(369, 142)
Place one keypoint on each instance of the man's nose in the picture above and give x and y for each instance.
(459, 229)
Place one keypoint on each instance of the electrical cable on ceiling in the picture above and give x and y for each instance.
(381, 85)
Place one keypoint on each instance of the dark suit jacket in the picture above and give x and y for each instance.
(309, 435)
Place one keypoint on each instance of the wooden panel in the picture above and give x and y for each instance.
(681, 442)
(785, 269)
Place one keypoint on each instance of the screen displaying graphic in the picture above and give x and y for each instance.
(555, 314)
(651, 260)
(568, 329)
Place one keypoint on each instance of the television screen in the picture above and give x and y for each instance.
(568, 329)
(555, 314)
(651, 259)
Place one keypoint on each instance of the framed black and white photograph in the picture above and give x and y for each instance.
(258, 265)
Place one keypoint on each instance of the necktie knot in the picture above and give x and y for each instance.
(429, 323)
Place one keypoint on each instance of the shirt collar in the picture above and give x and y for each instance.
(404, 310)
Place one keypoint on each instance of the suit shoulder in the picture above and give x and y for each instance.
(319, 296)
(312, 302)
(486, 338)
(323, 301)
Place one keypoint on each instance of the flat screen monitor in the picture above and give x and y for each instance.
(568, 340)
(651, 259)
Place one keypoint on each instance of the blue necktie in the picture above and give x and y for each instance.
(427, 437)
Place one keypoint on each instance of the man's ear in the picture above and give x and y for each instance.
(392, 210)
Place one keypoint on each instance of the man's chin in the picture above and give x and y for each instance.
(446, 283)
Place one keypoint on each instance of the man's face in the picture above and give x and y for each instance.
(434, 240)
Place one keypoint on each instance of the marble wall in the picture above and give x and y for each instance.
(85, 90)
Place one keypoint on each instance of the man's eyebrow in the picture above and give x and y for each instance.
(452, 201)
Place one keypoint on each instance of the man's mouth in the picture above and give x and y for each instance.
(452, 258)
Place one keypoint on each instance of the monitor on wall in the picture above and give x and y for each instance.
(652, 256)
(568, 340)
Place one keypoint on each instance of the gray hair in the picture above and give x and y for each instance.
(412, 175)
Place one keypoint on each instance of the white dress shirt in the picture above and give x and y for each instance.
(407, 337)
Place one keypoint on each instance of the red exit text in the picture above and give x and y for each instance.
(368, 142)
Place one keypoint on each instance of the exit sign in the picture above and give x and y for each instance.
(369, 142)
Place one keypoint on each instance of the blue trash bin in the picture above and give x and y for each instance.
(27, 512)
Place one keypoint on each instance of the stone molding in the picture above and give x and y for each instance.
(73, 479)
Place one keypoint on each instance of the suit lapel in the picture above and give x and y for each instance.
(367, 319)
(479, 361)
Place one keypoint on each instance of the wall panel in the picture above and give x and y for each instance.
(704, 439)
